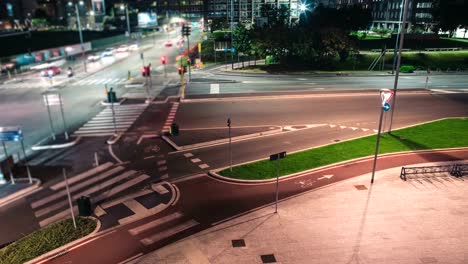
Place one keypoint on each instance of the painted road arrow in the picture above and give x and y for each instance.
(325, 176)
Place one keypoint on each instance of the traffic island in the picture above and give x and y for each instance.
(47, 239)
(60, 141)
(443, 134)
(190, 139)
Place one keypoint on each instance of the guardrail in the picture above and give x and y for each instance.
(388, 50)
(442, 49)
(456, 170)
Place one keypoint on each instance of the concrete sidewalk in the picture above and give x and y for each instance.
(421, 220)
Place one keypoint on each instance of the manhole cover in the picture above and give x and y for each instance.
(360, 187)
(270, 258)
(238, 243)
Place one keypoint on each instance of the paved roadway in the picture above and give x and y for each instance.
(236, 83)
(21, 104)
(343, 116)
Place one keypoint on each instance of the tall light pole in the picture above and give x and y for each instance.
(122, 7)
(397, 37)
(232, 42)
(81, 33)
(397, 73)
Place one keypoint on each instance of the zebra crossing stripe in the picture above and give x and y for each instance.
(105, 126)
(83, 175)
(61, 193)
(169, 232)
(168, 218)
(121, 187)
(89, 191)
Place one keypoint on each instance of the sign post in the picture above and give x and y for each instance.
(385, 95)
(69, 197)
(63, 116)
(277, 157)
(230, 149)
(46, 101)
(15, 134)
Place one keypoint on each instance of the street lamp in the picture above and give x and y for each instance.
(125, 7)
(302, 7)
(81, 33)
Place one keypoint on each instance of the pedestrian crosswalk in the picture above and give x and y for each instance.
(103, 123)
(103, 81)
(170, 117)
(162, 228)
(100, 183)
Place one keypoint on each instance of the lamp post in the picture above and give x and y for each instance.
(81, 33)
(122, 7)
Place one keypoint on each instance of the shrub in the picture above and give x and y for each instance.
(407, 69)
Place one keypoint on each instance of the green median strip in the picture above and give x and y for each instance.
(45, 240)
(447, 133)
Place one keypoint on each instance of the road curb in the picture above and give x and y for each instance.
(226, 140)
(123, 99)
(57, 146)
(22, 193)
(65, 248)
(170, 142)
(214, 173)
(113, 139)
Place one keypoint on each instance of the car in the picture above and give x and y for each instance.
(51, 71)
(108, 52)
(93, 58)
(133, 47)
(168, 43)
(122, 48)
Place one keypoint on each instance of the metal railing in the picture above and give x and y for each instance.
(456, 170)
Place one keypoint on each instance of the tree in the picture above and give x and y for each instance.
(381, 31)
(218, 24)
(41, 13)
(450, 15)
(241, 39)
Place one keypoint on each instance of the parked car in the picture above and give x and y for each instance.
(108, 52)
(168, 43)
(51, 71)
(122, 48)
(93, 58)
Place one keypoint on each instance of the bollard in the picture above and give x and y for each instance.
(129, 77)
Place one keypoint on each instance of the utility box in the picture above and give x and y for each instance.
(174, 129)
(84, 206)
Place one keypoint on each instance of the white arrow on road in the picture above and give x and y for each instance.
(325, 177)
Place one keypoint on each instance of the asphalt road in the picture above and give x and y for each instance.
(312, 83)
(342, 116)
(22, 104)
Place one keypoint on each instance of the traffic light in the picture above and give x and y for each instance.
(163, 59)
(180, 70)
(186, 30)
(145, 71)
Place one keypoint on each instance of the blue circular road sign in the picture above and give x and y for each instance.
(386, 107)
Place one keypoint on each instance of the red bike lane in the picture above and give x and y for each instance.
(210, 201)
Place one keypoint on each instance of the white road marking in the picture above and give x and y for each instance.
(169, 232)
(196, 160)
(143, 228)
(188, 155)
(214, 88)
(203, 166)
(83, 175)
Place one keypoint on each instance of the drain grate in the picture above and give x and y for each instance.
(336, 140)
(269, 258)
(238, 243)
(360, 187)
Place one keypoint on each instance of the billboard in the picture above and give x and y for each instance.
(99, 7)
(147, 20)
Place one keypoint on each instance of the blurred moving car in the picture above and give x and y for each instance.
(108, 52)
(168, 43)
(93, 58)
(51, 71)
(122, 48)
(133, 47)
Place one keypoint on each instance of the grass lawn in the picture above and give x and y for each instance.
(448, 133)
(45, 240)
